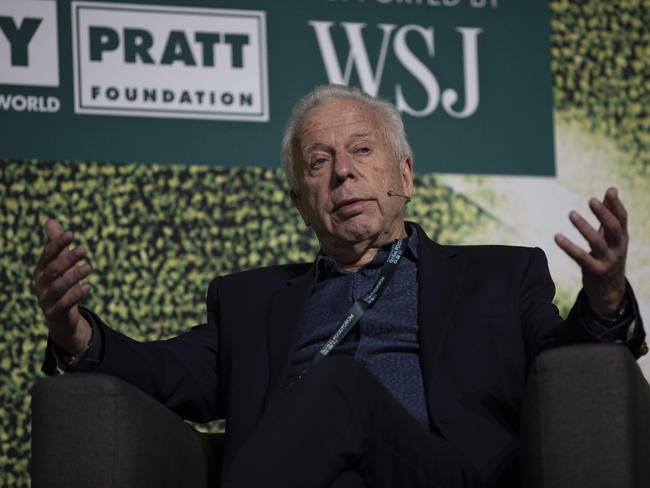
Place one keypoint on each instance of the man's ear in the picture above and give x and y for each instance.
(295, 198)
(406, 174)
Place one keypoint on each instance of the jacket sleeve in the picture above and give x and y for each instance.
(181, 372)
(544, 328)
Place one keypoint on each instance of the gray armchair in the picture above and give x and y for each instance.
(586, 422)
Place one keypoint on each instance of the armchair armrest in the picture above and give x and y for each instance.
(586, 419)
(97, 430)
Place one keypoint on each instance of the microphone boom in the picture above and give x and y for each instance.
(392, 193)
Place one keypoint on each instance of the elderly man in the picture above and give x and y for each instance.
(389, 361)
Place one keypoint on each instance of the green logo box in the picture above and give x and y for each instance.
(213, 83)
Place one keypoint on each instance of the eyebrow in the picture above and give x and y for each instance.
(355, 136)
(313, 146)
(360, 135)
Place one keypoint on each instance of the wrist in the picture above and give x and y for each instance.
(609, 310)
(77, 343)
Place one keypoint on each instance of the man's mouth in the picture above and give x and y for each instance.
(349, 204)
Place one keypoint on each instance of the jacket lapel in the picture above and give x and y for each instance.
(440, 275)
(283, 323)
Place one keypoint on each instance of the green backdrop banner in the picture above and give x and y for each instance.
(161, 82)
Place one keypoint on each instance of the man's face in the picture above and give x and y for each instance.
(346, 169)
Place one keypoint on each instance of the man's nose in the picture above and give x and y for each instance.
(343, 168)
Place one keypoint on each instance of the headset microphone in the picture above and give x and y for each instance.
(392, 193)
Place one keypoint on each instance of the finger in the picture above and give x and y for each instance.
(615, 205)
(44, 277)
(578, 254)
(53, 249)
(63, 262)
(60, 286)
(60, 310)
(52, 228)
(613, 232)
(595, 239)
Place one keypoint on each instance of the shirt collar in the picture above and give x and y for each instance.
(326, 267)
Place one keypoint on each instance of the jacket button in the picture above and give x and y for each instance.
(643, 349)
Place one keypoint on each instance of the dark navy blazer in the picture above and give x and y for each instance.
(484, 312)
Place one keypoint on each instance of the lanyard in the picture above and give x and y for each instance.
(360, 306)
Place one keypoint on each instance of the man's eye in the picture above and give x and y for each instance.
(363, 150)
(317, 162)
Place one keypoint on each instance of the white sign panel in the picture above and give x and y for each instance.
(154, 61)
(29, 53)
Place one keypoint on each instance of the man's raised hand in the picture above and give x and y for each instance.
(57, 287)
(603, 268)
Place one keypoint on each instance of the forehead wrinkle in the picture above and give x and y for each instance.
(362, 135)
(307, 132)
(308, 138)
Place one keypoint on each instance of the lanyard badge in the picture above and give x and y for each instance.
(360, 306)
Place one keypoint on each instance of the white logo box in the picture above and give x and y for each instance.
(229, 82)
(42, 67)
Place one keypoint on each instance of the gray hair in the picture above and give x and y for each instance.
(326, 93)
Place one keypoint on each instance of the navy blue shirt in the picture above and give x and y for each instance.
(385, 339)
